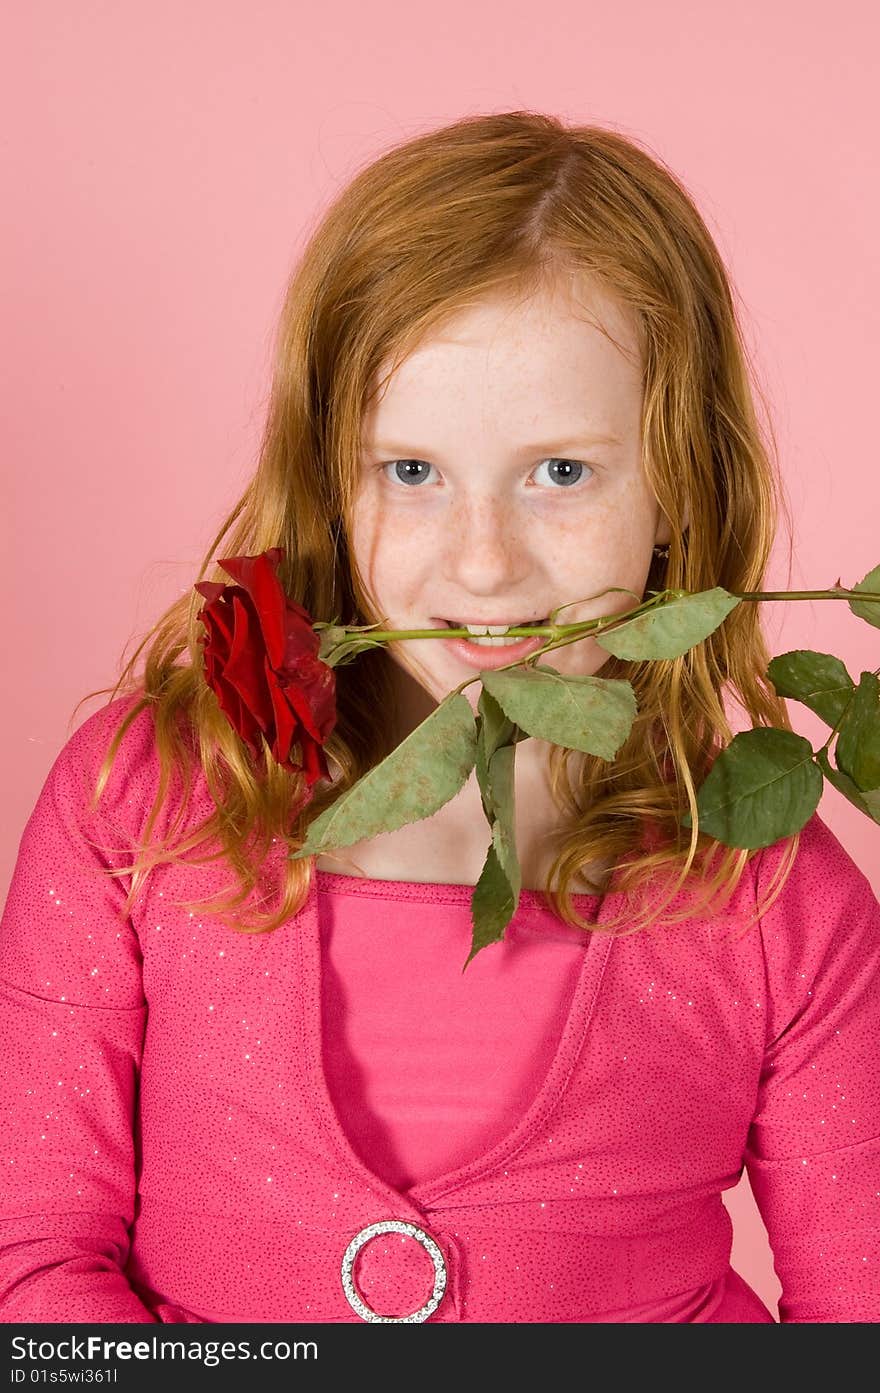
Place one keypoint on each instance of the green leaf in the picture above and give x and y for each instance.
(868, 610)
(866, 800)
(493, 905)
(337, 647)
(496, 894)
(763, 786)
(502, 789)
(858, 743)
(593, 714)
(497, 728)
(425, 771)
(671, 628)
(482, 771)
(332, 637)
(493, 730)
(336, 654)
(818, 680)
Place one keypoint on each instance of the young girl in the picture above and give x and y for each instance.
(239, 1086)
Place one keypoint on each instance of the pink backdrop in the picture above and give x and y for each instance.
(167, 162)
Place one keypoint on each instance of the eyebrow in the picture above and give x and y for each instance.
(570, 442)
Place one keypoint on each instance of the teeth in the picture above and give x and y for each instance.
(493, 629)
(490, 635)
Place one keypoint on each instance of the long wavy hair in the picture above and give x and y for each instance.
(490, 203)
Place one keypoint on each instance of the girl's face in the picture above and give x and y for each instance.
(501, 477)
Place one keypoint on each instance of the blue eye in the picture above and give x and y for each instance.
(405, 470)
(403, 464)
(571, 469)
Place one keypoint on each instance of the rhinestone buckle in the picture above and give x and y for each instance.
(393, 1226)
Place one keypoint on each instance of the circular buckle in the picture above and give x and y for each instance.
(427, 1242)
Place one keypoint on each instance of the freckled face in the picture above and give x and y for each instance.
(502, 475)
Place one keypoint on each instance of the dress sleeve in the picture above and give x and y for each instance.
(72, 1019)
(813, 1148)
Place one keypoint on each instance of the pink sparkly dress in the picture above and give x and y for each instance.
(333, 1123)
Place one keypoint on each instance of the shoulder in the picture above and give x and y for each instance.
(821, 933)
(65, 926)
(824, 879)
(91, 740)
(133, 776)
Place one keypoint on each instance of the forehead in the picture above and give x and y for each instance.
(570, 346)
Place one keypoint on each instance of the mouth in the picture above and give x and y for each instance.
(497, 630)
(493, 624)
(493, 650)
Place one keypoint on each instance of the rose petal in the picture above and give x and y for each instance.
(260, 658)
(312, 693)
(256, 576)
(245, 668)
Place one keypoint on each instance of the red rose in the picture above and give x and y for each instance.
(260, 660)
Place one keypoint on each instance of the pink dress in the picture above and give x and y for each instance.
(205, 1126)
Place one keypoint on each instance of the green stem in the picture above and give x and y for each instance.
(554, 630)
(560, 635)
(838, 593)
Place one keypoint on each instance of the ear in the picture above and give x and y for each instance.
(664, 531)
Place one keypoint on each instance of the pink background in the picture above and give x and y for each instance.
(165, 165)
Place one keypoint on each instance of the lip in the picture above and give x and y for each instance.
(485, 657)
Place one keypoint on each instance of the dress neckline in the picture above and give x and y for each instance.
(436, 892)
(411, 1202)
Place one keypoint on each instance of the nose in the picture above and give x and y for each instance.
(487, 545)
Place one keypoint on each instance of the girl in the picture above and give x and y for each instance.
(509, 377)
